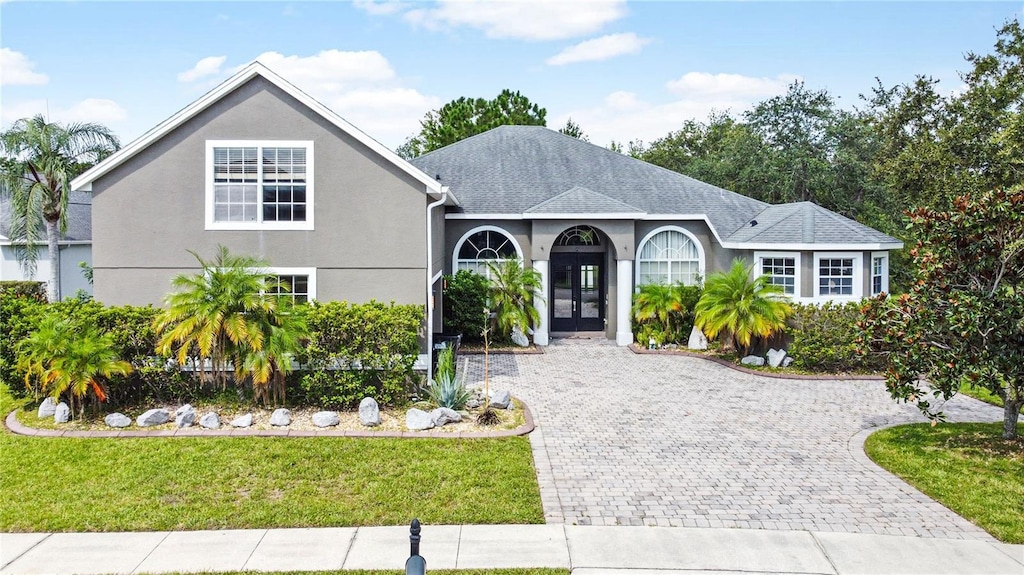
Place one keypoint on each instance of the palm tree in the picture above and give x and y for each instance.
(230, 315)
(39, 161)
(658, 303)
(740, 307)
(68, 358)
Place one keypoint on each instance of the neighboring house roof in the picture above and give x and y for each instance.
(84, 182)
(806, 223)
(533, 172)
(79, 219)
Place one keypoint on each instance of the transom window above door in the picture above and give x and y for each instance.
(259, 185)
(579, 236)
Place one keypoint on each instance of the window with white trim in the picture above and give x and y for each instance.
(257, 185)
(783, 269)
(483, 246)
(879, 272)
(668, 257)
(837, 275)
(296, 284)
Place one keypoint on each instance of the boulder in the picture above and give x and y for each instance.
(775, 357)
(519, 338)
(443, 415)
(787, 362)
(62, 413)
(325, 419)
(210, 421)
(753, 360)
(153, 417)
(47, 408)
(117, 420)
(501, 399)
(242, 421)
(369, 412)
(281, 417)
(418, 420)
(185, 416)
(697, 339)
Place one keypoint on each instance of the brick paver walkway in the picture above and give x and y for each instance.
(627, 439)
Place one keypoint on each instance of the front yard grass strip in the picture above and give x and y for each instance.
(967, 467)
(155, 484)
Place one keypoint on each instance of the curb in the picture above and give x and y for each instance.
(771, 374)
(18, 428)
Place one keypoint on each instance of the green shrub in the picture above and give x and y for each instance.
(826, 339)
(20, 313)
(360, 350)
(465, 297)
(32, 290)
(664, 313)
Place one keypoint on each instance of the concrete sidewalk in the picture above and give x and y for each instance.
(587, 550)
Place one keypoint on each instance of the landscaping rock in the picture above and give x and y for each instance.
(325, 419)
(242, 421)
(210, 421)
(418, 420)
(697, 339)
(787, 362)
(753, 360)
(443, 415)
(473, 403)
(185, 416)
(47, 408)
(281, 417)
(775, 357)
(62, 413)
(153, 417)
(519, 338)
(369, 412)
(117, 420)
(501, 399)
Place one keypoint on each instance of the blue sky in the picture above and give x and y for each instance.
(623, 71)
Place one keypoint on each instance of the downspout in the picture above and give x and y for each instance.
(430, 283)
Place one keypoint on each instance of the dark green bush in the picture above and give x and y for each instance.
(360, 350)
(32, 290)
(465, 297)
(19, 315)
(825, 339)
(669, 317)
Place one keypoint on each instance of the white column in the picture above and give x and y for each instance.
(540, 301)
(624, 303)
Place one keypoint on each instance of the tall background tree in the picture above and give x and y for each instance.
(465, 117)
(39, 161)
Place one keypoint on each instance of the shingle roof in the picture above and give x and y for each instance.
(79, 218)
(580, 200)
(805, 223)
(510, 169)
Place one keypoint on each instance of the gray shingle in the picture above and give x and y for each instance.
(79, 217)
(580, 200)
(806, 222)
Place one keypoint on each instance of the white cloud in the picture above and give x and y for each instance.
(622, 116)
(599, 49)
(98, 110)
(380, 8)
(209, 66)
(16, 70)
(330, 70)
(702, 85)
(525, 20)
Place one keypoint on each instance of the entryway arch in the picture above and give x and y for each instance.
(577, 293)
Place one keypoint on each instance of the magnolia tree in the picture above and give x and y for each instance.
(962, 322)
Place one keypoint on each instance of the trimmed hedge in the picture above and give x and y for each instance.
(360, 350)
(465, 297)
(30, 289)
(826, 339)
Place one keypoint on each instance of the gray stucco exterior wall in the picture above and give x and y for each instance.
(369, 239)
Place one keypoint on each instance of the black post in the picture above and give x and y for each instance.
(415, 565)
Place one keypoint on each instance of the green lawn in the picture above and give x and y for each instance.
(967, 467)
(983, 394)
(140, 484)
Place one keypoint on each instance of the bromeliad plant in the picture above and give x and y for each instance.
(66, 359)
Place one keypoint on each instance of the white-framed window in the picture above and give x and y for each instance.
(669, 255)
(484, 244)
(837, 275)
(783, 267)
(300, 283)
(257, 185)
(879, 272)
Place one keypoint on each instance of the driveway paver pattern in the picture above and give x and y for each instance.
(628, 439)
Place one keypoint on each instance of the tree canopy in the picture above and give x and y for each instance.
(465, 117)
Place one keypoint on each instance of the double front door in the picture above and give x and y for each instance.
(577, 292)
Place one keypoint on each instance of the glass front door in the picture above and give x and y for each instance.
(577, 292)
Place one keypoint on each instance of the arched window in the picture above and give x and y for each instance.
(482, 245)
(669, 256)
(579, 236)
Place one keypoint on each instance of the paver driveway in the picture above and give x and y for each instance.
(628, 439)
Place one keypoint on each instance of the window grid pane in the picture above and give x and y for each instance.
(876, 275)
(668, 257)
(835, 276)
(782, 272)
(293, 287)
(248, 190)
(284, 190)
